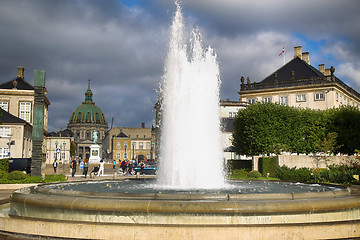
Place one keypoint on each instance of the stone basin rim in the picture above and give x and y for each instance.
(344, 192)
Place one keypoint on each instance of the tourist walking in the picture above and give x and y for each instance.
(73, 167)
(142, 166)
(130, 167)
(86, 166)
(55, 164)
(101, 169)
(114, 164)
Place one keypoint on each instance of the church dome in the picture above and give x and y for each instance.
(88, 112)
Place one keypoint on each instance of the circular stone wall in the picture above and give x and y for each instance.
(158, 211)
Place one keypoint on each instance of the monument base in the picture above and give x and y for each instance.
(94, 154)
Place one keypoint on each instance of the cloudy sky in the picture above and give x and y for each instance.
(121, 46)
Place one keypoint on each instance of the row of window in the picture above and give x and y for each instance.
(284, 99)
(4, 152)
(140, 145)
(118, 156)
(5, 132)
(25, 109)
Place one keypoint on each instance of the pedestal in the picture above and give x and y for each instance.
(94, 154)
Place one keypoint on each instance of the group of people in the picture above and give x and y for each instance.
(99, 170)
(126, 166)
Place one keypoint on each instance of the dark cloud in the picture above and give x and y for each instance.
(121, 47)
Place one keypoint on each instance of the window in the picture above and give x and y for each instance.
(88, 134)
(4, 152)
(118, 155)
(5, 131)
(337, 97)
(301, 98)
(55, 155)
(25, 111)
(141, 146)
(4, 105)
(148, 145)
(62, 155)
(251, 100)
(319, 96)
(148, 156)
(284, 100)
(118, 145)
(267, 99)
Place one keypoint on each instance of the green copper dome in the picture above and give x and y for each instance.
(88, 112)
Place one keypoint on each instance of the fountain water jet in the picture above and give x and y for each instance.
(190, 126)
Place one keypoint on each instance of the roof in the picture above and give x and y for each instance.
(88, 112)
(122, 135)
(9, 118)
(299, 67)
(65, 133)
(20, 85)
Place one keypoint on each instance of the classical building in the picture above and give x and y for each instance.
(17, 100)
(84, 120)
(228, 111)
(299, 84)
(58, 146)
(129, 143)
(15, 136)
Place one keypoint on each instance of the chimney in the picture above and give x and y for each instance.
(327, 72)
(20, 72)
(143, 125)
(297, 52)
(322, 68)
(305, 57)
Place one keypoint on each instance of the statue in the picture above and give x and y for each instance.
(95, 136)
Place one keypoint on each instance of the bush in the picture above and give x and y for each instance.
(55, 178)
(239, 173)
(17, 175)
(3, 174)
(254, 174)
(268, 165)
(239, 164)
(4, 165)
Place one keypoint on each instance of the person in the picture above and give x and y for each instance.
(55, 165)
(114, 164)
(101, 168)
(142, 166)
(86, 166)
(73, 167)
(123, 166)
(130, 167)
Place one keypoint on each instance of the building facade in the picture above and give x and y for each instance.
(129, 144)
(58, 145)
(299, 84)
(84, 120)
(228, 111)
(17, 102)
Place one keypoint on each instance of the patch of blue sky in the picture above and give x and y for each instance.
(130, 3)
(316, 49)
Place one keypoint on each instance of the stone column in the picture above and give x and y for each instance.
(38, 122)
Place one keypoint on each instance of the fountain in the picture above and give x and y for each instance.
(190, 198)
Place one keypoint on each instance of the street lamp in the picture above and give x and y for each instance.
(133, 155)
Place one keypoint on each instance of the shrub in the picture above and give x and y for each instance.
(4, 165)
(268, 165)
(239, 173)
(17, 175)
(3, 174)
(254, 174)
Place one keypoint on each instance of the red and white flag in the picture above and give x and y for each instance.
(283, 51)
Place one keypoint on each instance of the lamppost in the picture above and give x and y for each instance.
(133, 155)
(56, 145)
(125, 147)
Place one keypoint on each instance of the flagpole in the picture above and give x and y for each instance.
(284, 56)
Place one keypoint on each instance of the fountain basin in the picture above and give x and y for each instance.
(231, 215)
